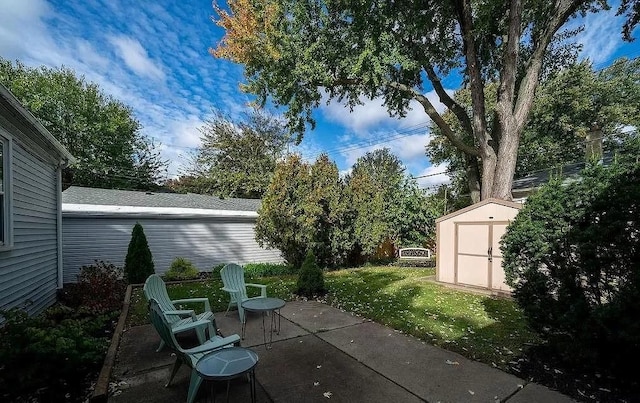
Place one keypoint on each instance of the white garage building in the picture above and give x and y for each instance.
(97, 225)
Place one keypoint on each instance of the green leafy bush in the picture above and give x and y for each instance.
(310, 277)
(268, 269)
(52, 357)
(138, 264)
(181, 269)
(572, 256)
(100, 288)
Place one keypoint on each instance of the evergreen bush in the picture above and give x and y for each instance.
(181, 269)
(572, 256)
(138, 264)
(310, 277)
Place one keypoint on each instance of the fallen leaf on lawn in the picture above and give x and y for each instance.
(327, 395)
(316, 383)
(319, 366)
(452, 362)
(472, 392)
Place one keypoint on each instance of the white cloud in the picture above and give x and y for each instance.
(373, 113)
(136, 57)
(601, 36)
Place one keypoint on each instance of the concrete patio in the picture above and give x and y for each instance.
(324, 354)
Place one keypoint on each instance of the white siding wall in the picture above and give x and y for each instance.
(205, 241)
(28, 272)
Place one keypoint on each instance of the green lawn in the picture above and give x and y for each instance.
(491, 330)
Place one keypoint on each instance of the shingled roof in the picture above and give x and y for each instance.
(567, 173)
(114, 197)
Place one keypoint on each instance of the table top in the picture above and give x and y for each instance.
(226, 363)
(263, 304)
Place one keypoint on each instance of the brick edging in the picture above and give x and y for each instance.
(101, 391)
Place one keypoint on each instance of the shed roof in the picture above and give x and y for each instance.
(480, 204)
(32, 127)
(113, 197)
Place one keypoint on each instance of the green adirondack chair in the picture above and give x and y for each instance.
(180, 320)
(233, 281)
(189, 356)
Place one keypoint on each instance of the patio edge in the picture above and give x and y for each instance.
(101, 392)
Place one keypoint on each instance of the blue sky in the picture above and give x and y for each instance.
(153, 56)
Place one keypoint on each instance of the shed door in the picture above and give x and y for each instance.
(478, 256)
(471, 260)
(497, 272)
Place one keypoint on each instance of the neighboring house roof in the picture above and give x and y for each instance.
(522, 186)
(32, 127)
(83, 200)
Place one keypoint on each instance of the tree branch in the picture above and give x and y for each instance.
(465, 19)
(506, 90)
(435, 116)
(449, 102)
(564, 9)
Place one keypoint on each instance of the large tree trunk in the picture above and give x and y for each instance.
(507, 156)
(473, 177)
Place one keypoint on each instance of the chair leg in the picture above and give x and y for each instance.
(194, 385)
(161, 346)
(174, 371)
(241, 313)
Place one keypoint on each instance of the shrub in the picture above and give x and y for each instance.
(268, 269)
(52, 357)
(310, 277)
(138, 264)
(100, 288)
(572, 256)
(181, 269)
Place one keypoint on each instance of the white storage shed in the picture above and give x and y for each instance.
(468, 245)
(207, 230)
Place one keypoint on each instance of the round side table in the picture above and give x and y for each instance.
(264, 306)
(227, 364)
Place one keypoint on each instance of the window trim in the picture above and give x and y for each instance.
(7, 160)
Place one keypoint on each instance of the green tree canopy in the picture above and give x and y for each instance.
(237, 158)
(568, 105)
(303, 210)
(99, 131)
(387, 204)
(294, 53)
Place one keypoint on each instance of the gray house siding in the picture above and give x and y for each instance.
(206, 241)
(28, 271)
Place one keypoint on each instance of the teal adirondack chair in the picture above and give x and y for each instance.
(233, 281)
(189, 356)
(180, 320)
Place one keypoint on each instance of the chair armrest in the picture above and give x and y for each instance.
(182, 313)
(263, 288)
(227, 289)
(215, 344)
(207, 306)
(192, 325)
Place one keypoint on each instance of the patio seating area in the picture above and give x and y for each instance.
(323, 353)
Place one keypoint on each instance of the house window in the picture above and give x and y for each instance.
(5, 192)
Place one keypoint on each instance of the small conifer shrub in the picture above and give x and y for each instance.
(138, 264)
(310, 277)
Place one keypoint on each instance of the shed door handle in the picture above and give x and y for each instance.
(490, 253)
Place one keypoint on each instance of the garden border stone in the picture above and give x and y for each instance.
(101, 391)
